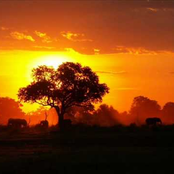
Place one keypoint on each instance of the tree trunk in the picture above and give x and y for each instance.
(61, 120)
(60, 117)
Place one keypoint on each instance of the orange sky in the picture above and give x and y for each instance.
(130, 45)
(127, 75)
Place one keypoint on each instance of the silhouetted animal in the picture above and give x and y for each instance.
(153, 121)
(17, 123)
(44, 124)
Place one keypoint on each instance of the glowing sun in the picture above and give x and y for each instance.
(52, 60)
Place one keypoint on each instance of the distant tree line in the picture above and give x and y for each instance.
(72, 91)
(104, 115)
(141, 109)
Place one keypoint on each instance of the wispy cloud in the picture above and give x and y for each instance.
(110, 72)
(153, 9)
(131, 28)
(21, 36)
(76, 37)
(4, 28)
(132, 50)
(44, 47)
(44, 36)
(96, 51)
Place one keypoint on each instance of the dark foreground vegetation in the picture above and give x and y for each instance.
(83, 149)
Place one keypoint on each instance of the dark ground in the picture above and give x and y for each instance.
(88, 150)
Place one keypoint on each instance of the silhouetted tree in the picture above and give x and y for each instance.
(80, 114)
(142, 108)
(106, 116)
(125, 118)
(69, 85)
(168, 112)
(9, 108)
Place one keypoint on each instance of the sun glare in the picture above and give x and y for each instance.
(51, 60)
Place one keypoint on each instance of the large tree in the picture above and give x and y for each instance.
(69, 85)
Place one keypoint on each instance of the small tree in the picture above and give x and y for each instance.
(168, 113)
(69, 85)
(143, 107)
(9, 108)
(106, 116)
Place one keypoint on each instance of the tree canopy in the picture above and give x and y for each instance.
(104, 115)
(168, 112)
(69, 85)
(143, 107)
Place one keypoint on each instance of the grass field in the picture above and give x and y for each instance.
(88, 150)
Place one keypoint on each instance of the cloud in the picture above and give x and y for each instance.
(110, 72)
(76, 37)
(153, 9)
(96, 51)
(4, 28)
(45, 38)
(131, 50)
(21, 36)
(100, 27)
(44, 47)
(39, 34)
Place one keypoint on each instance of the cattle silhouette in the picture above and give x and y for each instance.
(17, 123)
(43, 123)
(153, 121)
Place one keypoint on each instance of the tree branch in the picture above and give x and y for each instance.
(41, 103)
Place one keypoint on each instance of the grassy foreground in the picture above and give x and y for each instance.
(88, 150)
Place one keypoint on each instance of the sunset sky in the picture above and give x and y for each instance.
(130, 44)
